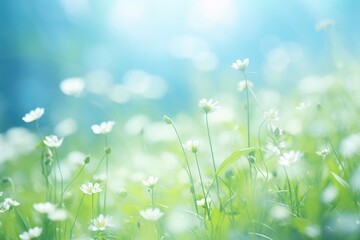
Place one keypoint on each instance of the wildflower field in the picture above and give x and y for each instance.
(245, 161)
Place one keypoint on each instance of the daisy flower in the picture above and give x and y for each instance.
(52, 141)
(240, 65)
(91, 188)
(33, 115)
(208, 106)
(100, 223)
(151, 214)
(103, 128)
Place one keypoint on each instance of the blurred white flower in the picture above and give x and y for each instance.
(279, 213)
(323, 151)
(91, 188)
(46, 207)
(208, 106)
(324, 24)
(72, 86)
(288, 158)
(276, 149)
(103, 128)
(1, 193)
(53, 141)
(329, 194)
(7, 204)
(201, 202)
(313, 231)
(100, 178)
(350, 145)
(31, 233)
(150, 182)
(100, 223)
(192, 145)
(303, 106)
(33, 115)
(58, 215)
(66, 127)
(272, 115)
(240, 65)
(151, 214)
(242, 85)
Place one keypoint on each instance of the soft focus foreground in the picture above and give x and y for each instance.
(243, 162)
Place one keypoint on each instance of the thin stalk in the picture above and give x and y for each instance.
(92, 206)
(68, 185)
(151, 191)
(61, 176)
(261, 153)
(248, 119)
(22, 219)
(290, 190)
(77, 214)
(247, 109)
(107, 173)
(203, 189)
(213, 160)
(188, 170)
(38, 128)
(231, 203)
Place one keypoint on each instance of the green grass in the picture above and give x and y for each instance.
(252, 195)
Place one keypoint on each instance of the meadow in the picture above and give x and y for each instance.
(245, 163)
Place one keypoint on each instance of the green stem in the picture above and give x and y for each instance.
(207, 210)
(68, 185)
(76, 216)
(247, 109)
(22, 219)
(188, 170)
(248, 119)
(92, 206)
(152, 197)
(290, 190)
(107, 173)
(61, 176)
(260, 149)
(213, 160)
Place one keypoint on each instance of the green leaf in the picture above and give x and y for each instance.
(232, 158)
(340, 180)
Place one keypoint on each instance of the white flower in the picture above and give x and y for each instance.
(303, 106)
(323, 151)
(72, 86)
(350, 145)
(100, 223)
(1, 193)
(192, 145)
(32, 233)
(151, 214)
(7, 204)
(208, 106)
(150, 182)
(240, 65)
(289, 158)
(33, 115)
(201, 202)
(91, 188)
(53, 141)
(272, 115)
(46, 207)
(103, 128)
(242, 85)
(58, 215)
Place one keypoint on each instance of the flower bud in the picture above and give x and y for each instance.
(167, 119)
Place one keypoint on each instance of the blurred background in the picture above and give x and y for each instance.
(157, 56)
